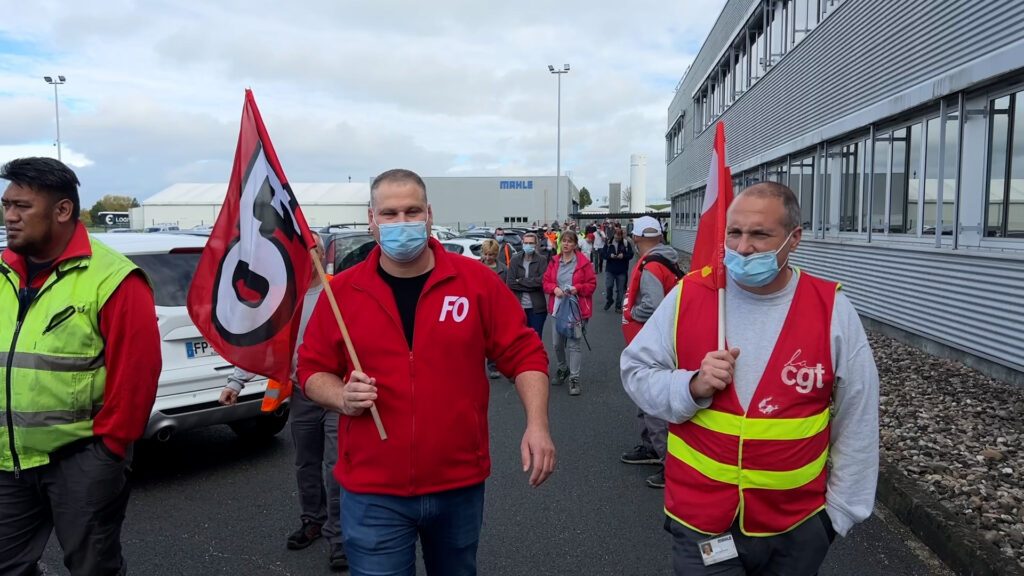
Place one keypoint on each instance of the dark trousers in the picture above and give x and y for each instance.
(82, 494)
(598, 260)
(798, 552)
(614, 284)
(535, 319)
(315, 435)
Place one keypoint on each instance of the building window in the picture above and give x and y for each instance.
(851, 180)
(949, 151)
(801, 181)
(880, 181)
(1005, 201)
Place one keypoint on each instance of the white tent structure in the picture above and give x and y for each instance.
(197, 205)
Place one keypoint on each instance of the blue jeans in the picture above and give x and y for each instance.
(535, 319)
(380, 532)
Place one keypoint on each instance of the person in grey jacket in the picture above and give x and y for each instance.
(658, 273)
(315, 437)
(760, 291)
(525, 276)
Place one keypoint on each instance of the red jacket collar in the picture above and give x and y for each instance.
(78, 247)
(368, 277)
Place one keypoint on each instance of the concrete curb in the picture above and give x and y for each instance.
(961, 547)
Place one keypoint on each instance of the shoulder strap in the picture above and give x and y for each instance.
(672, 266)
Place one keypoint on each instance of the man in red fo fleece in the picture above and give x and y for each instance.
(422, 321)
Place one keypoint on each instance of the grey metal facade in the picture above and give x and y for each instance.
(872, 64)
(495, 200)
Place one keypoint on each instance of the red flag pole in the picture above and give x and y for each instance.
(348, 340)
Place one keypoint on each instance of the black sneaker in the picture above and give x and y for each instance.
(560, 376)
(494, 374)
(657, 480)
(574, 386)
(338, 558)
(641, 454)
(304, 536)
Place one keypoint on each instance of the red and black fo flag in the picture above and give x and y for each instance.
(246, 296)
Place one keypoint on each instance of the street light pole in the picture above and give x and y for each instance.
(56, 106)
(558, 152)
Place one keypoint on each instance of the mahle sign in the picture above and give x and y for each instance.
(516, 185)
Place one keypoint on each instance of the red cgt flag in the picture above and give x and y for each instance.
(709, 247)
(246, 296)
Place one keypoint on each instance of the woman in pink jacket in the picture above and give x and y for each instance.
(570, 274)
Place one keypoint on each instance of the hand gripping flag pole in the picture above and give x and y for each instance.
(348, 340)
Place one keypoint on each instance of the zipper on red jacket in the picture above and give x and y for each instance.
(412, 391)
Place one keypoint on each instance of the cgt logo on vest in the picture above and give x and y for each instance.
(457, 305)
(802, 376)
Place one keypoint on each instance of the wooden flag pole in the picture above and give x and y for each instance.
(344, 334)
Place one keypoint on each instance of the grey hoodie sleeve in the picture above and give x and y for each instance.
(648, 368)
(238, 379)
(651, 295)
(850, 497)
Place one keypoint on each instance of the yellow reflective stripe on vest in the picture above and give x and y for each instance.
(706, 465)
(51, 363)
(784, 480)
(49, 418)
(729, 474)
(762, 428)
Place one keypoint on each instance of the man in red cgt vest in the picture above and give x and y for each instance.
(747, 486)
(654, 275)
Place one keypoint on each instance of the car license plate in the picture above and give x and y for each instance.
(199, 349)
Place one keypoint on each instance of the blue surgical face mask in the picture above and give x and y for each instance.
(499, 237)
(755, 270)
(529, 248)
(403, 241)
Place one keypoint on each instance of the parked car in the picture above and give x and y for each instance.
(161, 228)
(478, 234)
(345, 249)
(469, 247)
(193, 374)
(442, 233)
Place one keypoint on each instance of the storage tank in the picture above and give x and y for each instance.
(638, 183)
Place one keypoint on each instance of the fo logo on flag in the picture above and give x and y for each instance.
(246, 295)
(254, 295)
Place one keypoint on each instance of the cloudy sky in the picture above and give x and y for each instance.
(348, 89)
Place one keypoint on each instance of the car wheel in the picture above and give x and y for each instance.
(260, 427)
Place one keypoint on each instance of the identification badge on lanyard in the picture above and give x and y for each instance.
(717, 549)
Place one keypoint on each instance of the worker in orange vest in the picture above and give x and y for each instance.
(505, 250)
(315, 436)
(803, 392)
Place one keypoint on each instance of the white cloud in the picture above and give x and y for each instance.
(70, 157)
(154, 88)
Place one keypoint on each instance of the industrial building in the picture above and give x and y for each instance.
(459, 202)
(900, 126)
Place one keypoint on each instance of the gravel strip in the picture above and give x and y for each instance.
(957, 433)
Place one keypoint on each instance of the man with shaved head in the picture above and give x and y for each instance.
(750, 433)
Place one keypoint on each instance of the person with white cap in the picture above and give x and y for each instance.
(655, 274)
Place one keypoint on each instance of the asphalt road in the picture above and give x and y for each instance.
(206, 503)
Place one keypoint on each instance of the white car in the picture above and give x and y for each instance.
(469, 247)
(193, 373)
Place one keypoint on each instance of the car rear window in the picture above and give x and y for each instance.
(347, 251)
(171, 274)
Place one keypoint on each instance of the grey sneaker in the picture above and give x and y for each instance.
(657, 480)
(641, 454)
(560, 377)
(574, 387)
